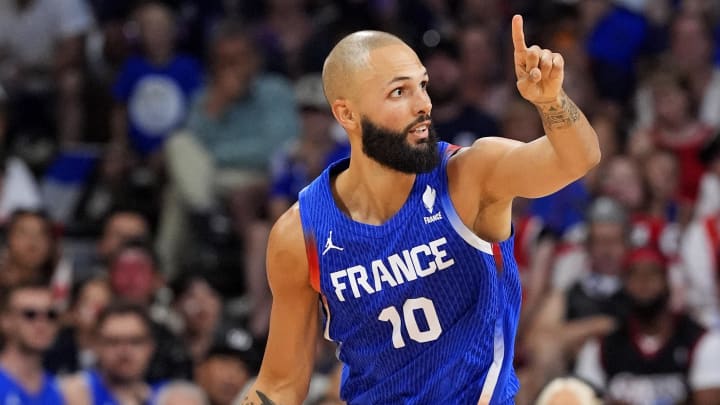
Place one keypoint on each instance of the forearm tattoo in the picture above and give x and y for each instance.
(264, 400)
(559, 115)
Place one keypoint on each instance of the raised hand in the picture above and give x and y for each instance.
(539, 71)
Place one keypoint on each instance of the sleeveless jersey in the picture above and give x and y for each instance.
(423, 311)
(101, 395)
(12, 393)
(658, 378)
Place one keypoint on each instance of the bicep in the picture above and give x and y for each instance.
(507, 168)
(529, 170)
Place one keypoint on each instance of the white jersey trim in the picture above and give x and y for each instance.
(493, 373)
(468, 236)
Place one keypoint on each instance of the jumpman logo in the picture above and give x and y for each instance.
(329, 245)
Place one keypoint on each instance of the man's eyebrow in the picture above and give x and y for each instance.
(403, 78)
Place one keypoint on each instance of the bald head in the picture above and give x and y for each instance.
(349, 56)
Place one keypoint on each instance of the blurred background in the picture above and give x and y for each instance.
(146, 147)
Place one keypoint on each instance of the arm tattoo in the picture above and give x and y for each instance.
(559, 116)
(265, 400)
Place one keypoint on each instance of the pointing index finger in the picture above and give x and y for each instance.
(518, 35)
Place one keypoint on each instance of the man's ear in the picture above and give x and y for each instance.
(344, 114)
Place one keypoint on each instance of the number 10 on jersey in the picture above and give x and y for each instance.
(392, 315)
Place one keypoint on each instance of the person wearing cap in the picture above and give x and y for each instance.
(570, 316)
(655, 356)
(314, 149)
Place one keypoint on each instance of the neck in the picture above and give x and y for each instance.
(25, 367)
(659, 326)
(676, 127)
(83, 337)
(160, 57)
(369, 192)
(130, 392)
(199, 343)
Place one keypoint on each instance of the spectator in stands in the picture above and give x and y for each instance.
(699, 254)
(30, 250)
(225, 371)
(708, 201)
(29, 326)
(42, 46)
(204, 320)
(154, 88)
(568, 391)
(691, 55)
(135, 277)
(676, 128)
(616, 36)
(124, 346)
(120, 227)
(484, 83)
(455, 120)
(237, 121)
(655, 356)
(588, 308)
(284, 32)
(297, 164)
(623, 179)
(73, 348)
(181, 393)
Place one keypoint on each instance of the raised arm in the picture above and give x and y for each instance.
(290, 352)
(500, 169)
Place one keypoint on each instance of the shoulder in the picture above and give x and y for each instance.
(286, 246)
(486, 150)
(481, 157)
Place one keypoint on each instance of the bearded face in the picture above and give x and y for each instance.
(394, 150)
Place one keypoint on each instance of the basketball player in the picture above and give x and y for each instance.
(416, 289)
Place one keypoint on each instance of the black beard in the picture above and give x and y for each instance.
(391, 149)
(648, 310)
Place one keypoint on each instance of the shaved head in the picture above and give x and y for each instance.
(350, 55)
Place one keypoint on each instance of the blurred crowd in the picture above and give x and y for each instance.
(146, 148)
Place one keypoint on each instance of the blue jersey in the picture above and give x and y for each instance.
(101, 395)
(11, 392)
(422, 309)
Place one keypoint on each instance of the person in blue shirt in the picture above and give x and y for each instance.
(29, 326)
(154, 87)
(408, 245)
(124, 347)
